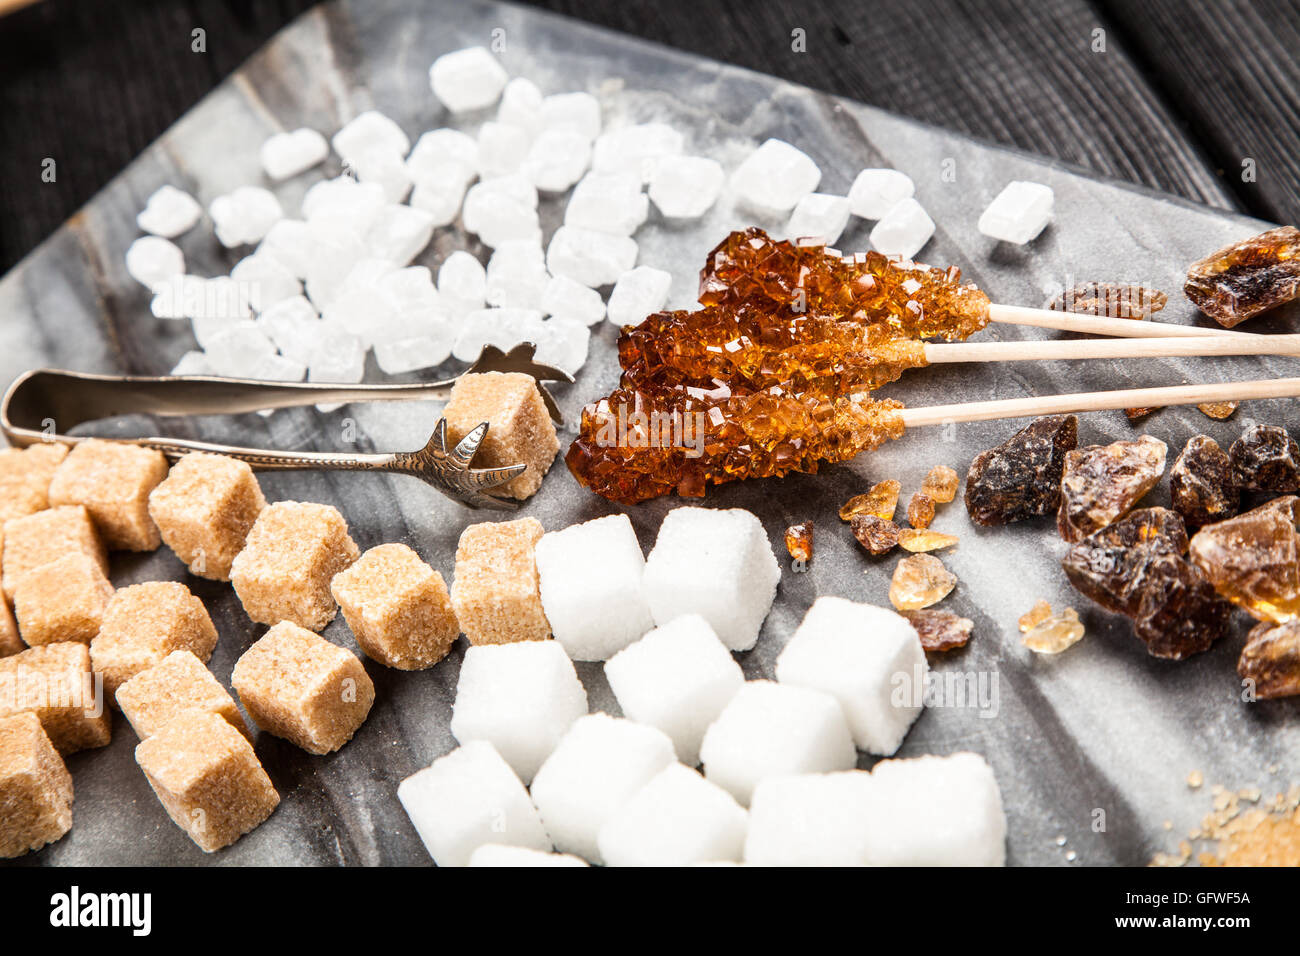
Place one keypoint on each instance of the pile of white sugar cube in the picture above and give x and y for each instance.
(536, 773)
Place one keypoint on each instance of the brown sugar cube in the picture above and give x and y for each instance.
(112, 480)
(520, 430)
(179, 684)
(10, 642)
(397, 607)
(25, 475)
(292, 553)
(144, 623)
(40, 538)
(62, 601)
(204, 509)
(495, 591)
(54, 682)
(35, 787)
(299, 686)
(208, 779)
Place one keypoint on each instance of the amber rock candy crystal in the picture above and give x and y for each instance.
(1248, 277)
(1253, 560)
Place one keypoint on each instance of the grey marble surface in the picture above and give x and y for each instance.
(1103, 731)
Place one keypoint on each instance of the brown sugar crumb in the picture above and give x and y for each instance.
(941, 484)
(877, 535)
(1243, 831)
(1195, 780)
(881, 501)
(920, 510)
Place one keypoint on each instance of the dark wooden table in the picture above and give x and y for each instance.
(1199, 99)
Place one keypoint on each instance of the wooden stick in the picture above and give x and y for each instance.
(1099, 401)
(1056, 349)
(1098, 325)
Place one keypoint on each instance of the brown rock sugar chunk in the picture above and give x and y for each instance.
(1248, 277)
(55, 682)
(178, 684)
(112, 481)
(42, 537)
(877, 535)
(398, 608)
(35, 787)
(62, 601)
(520, 430)
(207, 778)
(495, 589)
(299, 686)
(204, 510)
(1266, 458)
(1103, 482)
(1253, 560)
(1271, 658)
(289, 559)
(940, 630)
(25, 475)
(920, 510)
(1202, 485)
(1110, 300)
(1021, 478)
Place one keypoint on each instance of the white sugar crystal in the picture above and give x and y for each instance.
(714, 562)
(467, 799)
(409, 355)
(290, 153)
(501, 149)
(245, 215)
(237, 350)
(608, 202)
(876, 191)
(293, 326)
(334, 249)
(679, 677)
(177, 297)
(207, 328)
(589, 257)
(387, 169)
(265, 281)
(1019, 213)
(521, 106)
(816, 819)
(638, 293)
(774, 177)
(818, 215)
(520, 697)
(352, 203)
(685, 187)
(277, 368)
(410, 289)
(563, 343)
(219, 298)
(516, 275)
(497, 214)
(494, 854)
(503, 328)
(462, 283)
(192, 363)
(337, 357)
(572, 300)
(770, 730)
(903, 231)
(869, 659)
(599, 764)
(289, 243)
(370, 130)
(590, 576)
(169, 212)
(445, 156)
(153, 260)
(441, 200)
(399, 233)
(936, 811)
(676, 819)
(557, 158)
(469, 79)
(575, 112)
(634, 149)
(358, 305)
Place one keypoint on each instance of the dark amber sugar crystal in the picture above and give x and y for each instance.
(1180, 614)
(1110, 301)
(1201, 484)
(878, 535)
(940, 630)
(1021, 478)
(1266, 458)
(1102, 482)
(920, 510)
(881, 501)
(1247, 277)
(1271, 658)
(1253, 559)
(799, 541)
(1219, 411)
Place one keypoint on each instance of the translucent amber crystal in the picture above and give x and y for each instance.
(1218, 410)
(914, 540)
(1036, 615)
(1055, 633)
(1247, 277)
(799, 541)
(919, 581)
(940, 630)
(1111, 301)
(1102, 482)
(1202, 487)
(1021, 478)
(1117, 564)
(878, 535)
(881, 501)
(1266, 458)
(1271, 658)
(1253, 560)
(941, 484)
(920, 510)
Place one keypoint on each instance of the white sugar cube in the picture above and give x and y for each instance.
(441, 200)
(169, 212)
(236, 351)
(774, 177)
(468, 79)
(563, 343)
(520, 697)
(369, 130)
(503, 328)
(816, 819)
(556, 160)
(1019, 213)
(903, 231)
(516, 275)
(501, 149)
(462, 283)
(634, 149)
(495, 854)
(717, 563)
(608, 202)
(676, 819)
(572, 300)
(467, 799)
(444, 156)
(192, 363)
(679, 677)
(266, 282)
(818, 215)
(290, 153)
(354, 204)
(685, 187)
(521, 106)
(599, 764)
(385, 168)
(399, 233)
(152, 261)
(498, 215)
(638, 293)
(589, 257)
(936, 811)
(244, 215)
(337, 357)
(590, 576)
(293, 326)
(770, 729)
(876, 191)
(869, 659)
(573, 112)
